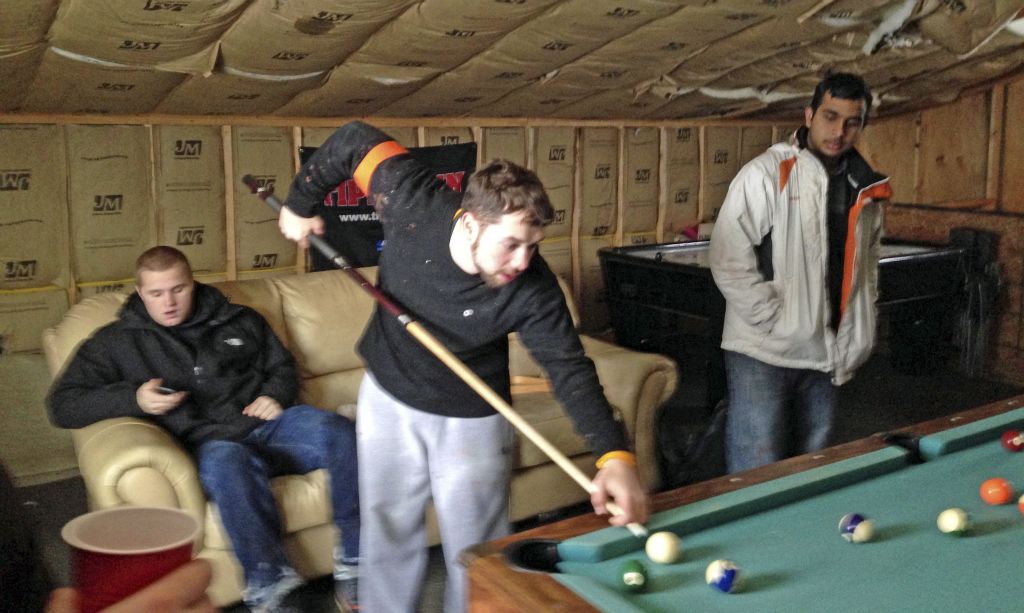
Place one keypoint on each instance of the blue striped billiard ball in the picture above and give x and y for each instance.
(723, 575)
(856, 528)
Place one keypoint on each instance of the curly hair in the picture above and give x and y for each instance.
(502, 187)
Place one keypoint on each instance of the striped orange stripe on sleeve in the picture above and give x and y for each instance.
(785, 167)
(879, 191)
(364, 171)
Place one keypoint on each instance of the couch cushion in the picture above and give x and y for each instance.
(520, 363)
(325, 313)
(548, 418)
(547, 487)
(332, 390)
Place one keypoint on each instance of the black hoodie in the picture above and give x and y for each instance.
(224, 356)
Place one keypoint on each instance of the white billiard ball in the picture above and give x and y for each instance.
(663, 547)
(953, 521)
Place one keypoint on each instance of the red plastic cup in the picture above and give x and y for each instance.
(118, 551)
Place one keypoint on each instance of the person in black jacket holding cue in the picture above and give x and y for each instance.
(214, 375)
(466, 267)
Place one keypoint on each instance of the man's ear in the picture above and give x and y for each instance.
(472, 225)
(808, 115)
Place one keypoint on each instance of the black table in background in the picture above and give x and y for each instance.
(662, 299)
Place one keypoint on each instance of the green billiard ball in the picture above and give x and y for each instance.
(633, 576)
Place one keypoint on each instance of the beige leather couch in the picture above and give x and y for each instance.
(320, 317)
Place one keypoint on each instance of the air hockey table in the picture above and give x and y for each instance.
(662, 298)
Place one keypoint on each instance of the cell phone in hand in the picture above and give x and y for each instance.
(165, 390)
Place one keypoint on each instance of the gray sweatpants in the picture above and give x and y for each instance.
(406, 457)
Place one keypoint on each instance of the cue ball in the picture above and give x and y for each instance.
(996, 491)
(662, 547)
(633, 576)
(1012, 440)
(723, 575)
(856, 528)
(953, 521)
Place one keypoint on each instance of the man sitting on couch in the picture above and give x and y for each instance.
(215, 376)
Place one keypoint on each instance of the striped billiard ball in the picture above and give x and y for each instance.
(856, 528)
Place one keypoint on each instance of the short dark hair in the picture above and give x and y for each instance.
(502, 187)
(845, 85)
(158, 259)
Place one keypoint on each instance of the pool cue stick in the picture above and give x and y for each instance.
(449, 359)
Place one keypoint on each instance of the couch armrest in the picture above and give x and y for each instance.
(127, 461)
(636, 384)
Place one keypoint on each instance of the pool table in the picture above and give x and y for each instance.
(779, 523)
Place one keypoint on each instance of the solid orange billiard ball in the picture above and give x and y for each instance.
(1020, 503)
(996, 491)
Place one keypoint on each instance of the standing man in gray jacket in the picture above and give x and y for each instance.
(795, 253)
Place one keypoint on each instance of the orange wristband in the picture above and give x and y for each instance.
(625, 456)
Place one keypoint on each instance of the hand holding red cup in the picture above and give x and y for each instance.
(118, 551)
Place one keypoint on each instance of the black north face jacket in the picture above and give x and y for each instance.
(224, 356)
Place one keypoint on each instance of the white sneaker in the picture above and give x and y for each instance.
(346, 587)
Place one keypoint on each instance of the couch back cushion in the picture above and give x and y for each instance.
(325, 313)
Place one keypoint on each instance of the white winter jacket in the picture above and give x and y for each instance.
(784, 321)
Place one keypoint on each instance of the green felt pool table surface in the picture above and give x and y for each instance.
(783, 534)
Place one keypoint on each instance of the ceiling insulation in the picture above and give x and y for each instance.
(562, 59)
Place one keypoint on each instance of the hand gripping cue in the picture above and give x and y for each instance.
(448, 358)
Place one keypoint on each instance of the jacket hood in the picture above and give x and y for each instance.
(209, 306)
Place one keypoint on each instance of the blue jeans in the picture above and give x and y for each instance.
(774, 412)
(236, 476)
